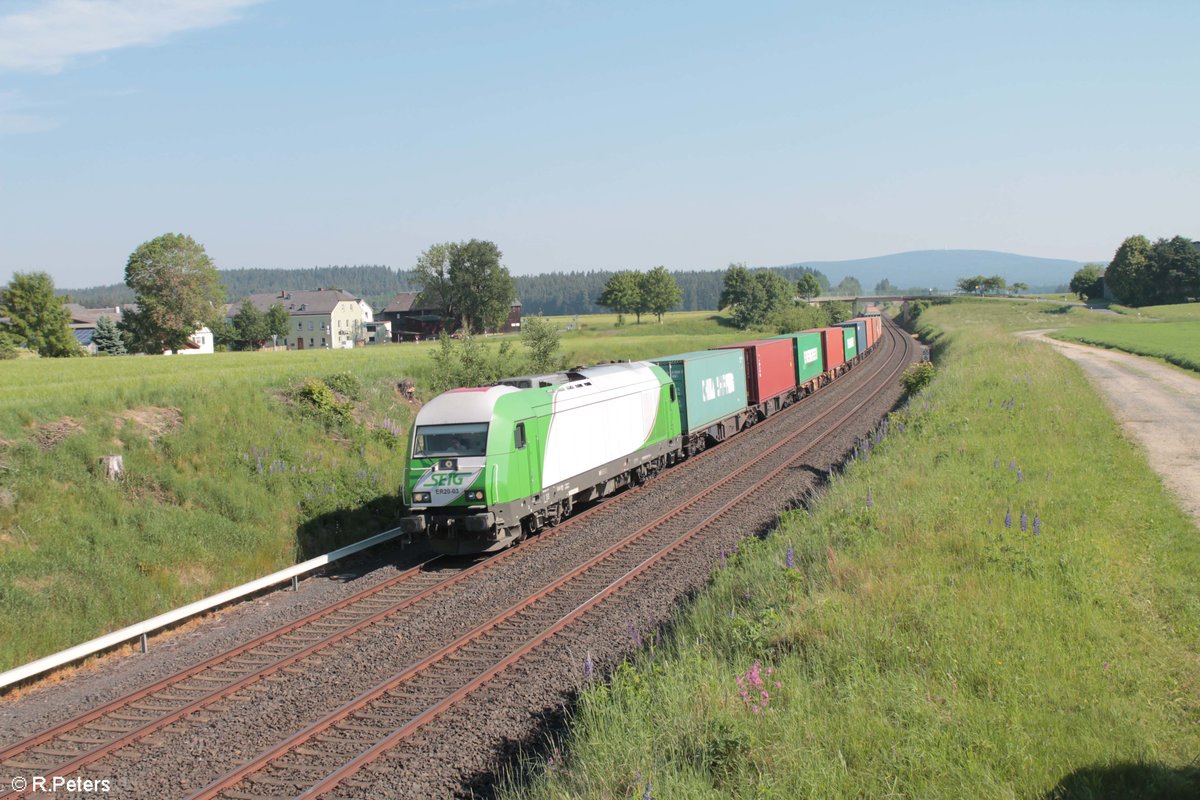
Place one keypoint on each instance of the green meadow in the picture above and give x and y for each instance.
(999, 600)
(1171, 333)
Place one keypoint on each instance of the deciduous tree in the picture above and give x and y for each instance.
(622, 294)
(1086, 282)
(37, 318)
(660, 293)
(467, 283)
(1129, 274)
(808, 286)
(541, 336)
(250, 327)
(178, 290)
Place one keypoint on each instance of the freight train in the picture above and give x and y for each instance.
(490, 465)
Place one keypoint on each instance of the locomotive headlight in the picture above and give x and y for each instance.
(421, 497)
(475, 495)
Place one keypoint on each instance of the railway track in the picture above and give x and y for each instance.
(317, 759)
(360, 724)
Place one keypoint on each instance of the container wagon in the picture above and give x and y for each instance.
(833, 348)
(711, 387)
(770, 374)
(860, 335)
(810, 363)
(849, 340)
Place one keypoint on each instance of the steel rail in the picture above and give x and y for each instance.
(329, 639)
(218, 693)
(263, 760)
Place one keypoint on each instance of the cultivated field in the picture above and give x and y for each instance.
(998, 600)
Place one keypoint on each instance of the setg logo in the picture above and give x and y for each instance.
(448, 478)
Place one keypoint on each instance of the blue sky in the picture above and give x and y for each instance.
(590, 135)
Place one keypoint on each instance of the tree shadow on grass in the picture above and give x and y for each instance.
(345, 526)
(1129, 780)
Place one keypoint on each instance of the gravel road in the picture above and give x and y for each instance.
(1158, 406)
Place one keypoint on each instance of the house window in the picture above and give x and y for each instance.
(310, 342)
(322, 341)
(300, 326)
(310, 328)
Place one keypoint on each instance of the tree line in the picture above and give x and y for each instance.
(1144, 273)
(552, 293)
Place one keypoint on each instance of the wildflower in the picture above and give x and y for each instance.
(870, 500)
(1012, 464)
(647, 795)
(1037, 525)
(722, 558)
(1047, 476)
(588, 667)
(1020, 476)
(790, 559)
(1008, 518)
(1024, 521)
(634, 636)
(996, 462)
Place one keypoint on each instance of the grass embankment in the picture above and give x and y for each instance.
(227, 478)
(920, 647)
(1171, 333)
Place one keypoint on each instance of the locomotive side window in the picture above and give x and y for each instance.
(672, 393)
(432, 441)
(520, 435)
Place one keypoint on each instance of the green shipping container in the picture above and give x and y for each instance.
(850, 337)
(711, 385)
(809, 360)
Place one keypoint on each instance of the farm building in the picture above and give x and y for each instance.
(411, 322)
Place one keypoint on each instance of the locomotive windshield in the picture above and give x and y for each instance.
(434, 441)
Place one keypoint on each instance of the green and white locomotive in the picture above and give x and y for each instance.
(489, 465)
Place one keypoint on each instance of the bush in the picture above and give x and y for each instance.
(917, 376)
(314, 397)
(346, 384)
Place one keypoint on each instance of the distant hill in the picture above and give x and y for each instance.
(941, 269)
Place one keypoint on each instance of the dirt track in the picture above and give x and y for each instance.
(1158, 406)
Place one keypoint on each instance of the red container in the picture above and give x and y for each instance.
(833, 344)
(770, 367)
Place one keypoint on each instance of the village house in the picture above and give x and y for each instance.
(83, 326)
(328, 318)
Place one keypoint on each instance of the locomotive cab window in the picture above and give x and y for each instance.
(519, 435)
(433, 441)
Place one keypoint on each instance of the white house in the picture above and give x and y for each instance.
(328, 318)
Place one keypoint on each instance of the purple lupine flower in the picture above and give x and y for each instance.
(870, 500)
(589, 667)
(996, 462)
(1012, 464)
(1037, 524)
(1047, 476)
(634, 636)
(790, 559)
(723, 558)
(1008, 518)
(648, 794)
(1024, 521)
(1020, 475)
